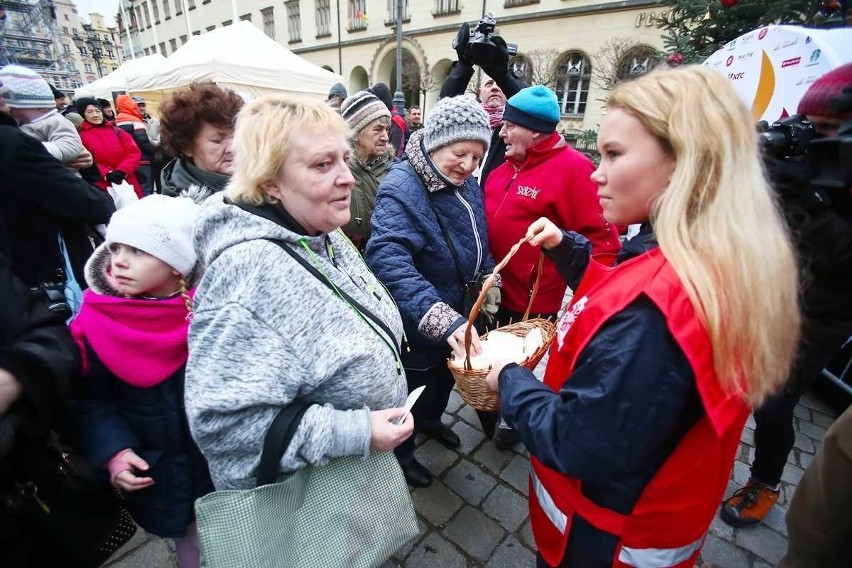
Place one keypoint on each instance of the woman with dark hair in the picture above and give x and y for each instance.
(115, 153)
(197, 126)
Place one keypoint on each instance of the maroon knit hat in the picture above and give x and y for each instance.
(820, 97)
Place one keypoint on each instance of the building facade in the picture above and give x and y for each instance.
(92, 48)
(578, 48)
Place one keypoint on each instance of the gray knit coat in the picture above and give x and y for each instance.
(266, 331)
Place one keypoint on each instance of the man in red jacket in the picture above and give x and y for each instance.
(541, 177)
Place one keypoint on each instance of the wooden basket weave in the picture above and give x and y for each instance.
(471, 382)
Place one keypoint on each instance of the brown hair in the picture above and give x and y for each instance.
(183, 116)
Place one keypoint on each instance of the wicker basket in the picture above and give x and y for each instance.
(471, 382)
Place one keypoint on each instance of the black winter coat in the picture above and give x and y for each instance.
(112, 415)
(40, 199)
(35, 347)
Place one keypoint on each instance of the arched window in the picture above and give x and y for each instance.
(572, 83)
(637, 61)
(522, 68)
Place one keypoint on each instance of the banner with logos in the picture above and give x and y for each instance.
(772, 67)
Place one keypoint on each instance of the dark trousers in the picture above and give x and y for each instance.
(774, 434)
(489, 419)
(431, 404)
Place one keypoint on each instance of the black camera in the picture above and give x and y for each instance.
(787, 138)
(480, 39)
(53, 296)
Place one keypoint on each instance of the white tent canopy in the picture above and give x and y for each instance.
(239, 57)
(117, 80)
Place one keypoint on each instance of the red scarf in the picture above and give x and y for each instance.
(495, 115)
(142, 342)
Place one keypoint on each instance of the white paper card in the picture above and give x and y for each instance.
(409, 403)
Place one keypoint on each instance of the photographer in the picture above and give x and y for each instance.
(820, 219)
(491, 54)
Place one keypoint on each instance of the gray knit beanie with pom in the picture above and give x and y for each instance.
(456, 119)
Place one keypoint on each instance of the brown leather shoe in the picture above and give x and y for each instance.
(748, 506)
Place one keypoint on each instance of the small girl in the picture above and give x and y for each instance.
(132, 332)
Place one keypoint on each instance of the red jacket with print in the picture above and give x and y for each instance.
(552, 182)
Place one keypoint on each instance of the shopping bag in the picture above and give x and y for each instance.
(352, 512)
(122, 194)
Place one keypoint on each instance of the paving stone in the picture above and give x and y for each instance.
(435, 552)
(507, 507)
(812, 430)
(761, 564)
(468, 414)
(435, 457)
(823, 420)
(527, 536)
(747, 436)
(511, 554)
(750, 423)
(470, 437)
(492, 458)
(764, 542)
(720, 528)
(390, 564)
(448, 419)
(802, 412)
(741, 473)
(814, 403)
(455, 402)
(793, 456)
(474, 533)
(775, 520)
(785, 495)
(804, 443)
(469, 482)
(721, 553)
(436, 503)
(792, 474)
(406, 549)
(517, 474)
(805, 460)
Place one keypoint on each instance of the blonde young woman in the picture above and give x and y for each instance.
(665, 346)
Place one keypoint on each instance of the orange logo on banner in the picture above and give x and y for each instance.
(765, 88)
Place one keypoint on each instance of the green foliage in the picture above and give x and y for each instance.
(697, 28)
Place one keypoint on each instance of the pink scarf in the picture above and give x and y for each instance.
(495, 115)
(142, 342)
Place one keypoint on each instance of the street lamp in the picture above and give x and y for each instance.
(398, 96)
(95, 45)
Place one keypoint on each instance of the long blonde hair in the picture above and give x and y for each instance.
(719, 225)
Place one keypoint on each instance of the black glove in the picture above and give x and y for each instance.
(461, 41)
(492, 57)
(116, 176)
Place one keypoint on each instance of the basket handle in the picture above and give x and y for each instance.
(474, 311)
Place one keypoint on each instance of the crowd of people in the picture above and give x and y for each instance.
(286, 253)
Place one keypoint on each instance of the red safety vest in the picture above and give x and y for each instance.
(669, 522)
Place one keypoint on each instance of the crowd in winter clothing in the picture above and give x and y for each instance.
(294, 252)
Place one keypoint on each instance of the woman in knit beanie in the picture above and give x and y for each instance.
(132, 332)
(371, 158)
(428, 245)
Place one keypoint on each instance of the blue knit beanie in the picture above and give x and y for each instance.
(536, 108)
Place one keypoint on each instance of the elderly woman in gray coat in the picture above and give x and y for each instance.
(268, 331)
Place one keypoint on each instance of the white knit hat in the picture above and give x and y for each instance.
(24, 88)
(159, 225)
(456, 119)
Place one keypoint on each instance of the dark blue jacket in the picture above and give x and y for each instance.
(629, 402)
(112, 415)
(409, 254)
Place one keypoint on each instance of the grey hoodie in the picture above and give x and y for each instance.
(266, 331)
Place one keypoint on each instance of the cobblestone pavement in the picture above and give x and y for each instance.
(475, 512)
